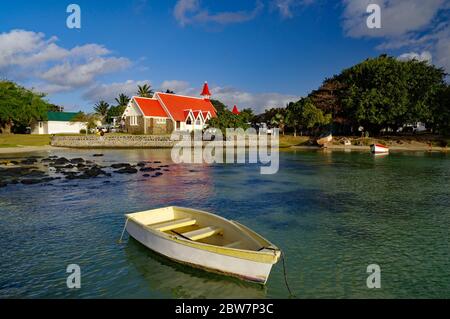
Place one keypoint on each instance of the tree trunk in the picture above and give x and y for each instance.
(6, 127)
(295, 132)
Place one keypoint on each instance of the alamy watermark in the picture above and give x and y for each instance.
(239, 146)
(73, 281)
(374, 279)
(74, 19)
(374, 19)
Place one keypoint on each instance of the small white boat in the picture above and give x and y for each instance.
(379, 149)
(206, 241)
(324, 139)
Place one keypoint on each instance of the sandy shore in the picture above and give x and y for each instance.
(25, 149)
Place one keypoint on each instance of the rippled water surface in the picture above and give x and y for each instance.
(333, 214)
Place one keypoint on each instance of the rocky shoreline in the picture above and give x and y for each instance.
(43, 170)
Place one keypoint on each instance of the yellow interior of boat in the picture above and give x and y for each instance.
(201, 227)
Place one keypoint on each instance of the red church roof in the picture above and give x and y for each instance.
(178, 104)
(150, 107)
(205, 91)
(235, 110)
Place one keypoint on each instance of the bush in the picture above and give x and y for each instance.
(82, 131)
(443, 143)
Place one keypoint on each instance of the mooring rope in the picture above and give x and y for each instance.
(285, 276)
(123, 231)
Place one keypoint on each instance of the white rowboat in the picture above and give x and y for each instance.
(206, 241)
(379, 148)
(324, 139)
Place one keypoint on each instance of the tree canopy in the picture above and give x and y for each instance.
(20, 107)
(384, 93)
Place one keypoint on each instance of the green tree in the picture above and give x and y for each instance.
(226, 119)
(145, 91)
(311, 116)
(122, 100)
(247, 115)
(293, 116)
(279, 120)
(20, 107)
(219, 106)
(101, 109)
(385, 93)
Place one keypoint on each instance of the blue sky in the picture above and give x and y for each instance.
(256, 54)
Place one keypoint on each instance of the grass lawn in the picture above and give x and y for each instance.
(15, 140)
(290, 140)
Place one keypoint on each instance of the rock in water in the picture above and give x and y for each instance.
(127, 170)
(77, 160)
(31, 181)
(120, 165)
(97, 155)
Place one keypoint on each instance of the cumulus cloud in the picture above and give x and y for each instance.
(424, 56)
(190, 12)
(108, 92)
(413, 25)
(259, 102)
(175, 85)
(51, 67)
(231, 96)
(398, 17)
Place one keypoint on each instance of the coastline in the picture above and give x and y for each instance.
(409, 148)
(26, 149)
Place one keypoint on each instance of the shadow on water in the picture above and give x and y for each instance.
(181, 281)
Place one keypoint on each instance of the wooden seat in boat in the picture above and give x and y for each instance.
(202, 233)
(173, 224)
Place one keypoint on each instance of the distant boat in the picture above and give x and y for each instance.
(206, 241)
(324, 139)
(379, 149)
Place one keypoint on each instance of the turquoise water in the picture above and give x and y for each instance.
(333, 214)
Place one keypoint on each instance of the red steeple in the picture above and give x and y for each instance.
(235, 110)
(205, 92)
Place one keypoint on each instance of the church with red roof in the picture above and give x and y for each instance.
(165, 112)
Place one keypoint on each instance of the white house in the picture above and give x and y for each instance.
(57, 123)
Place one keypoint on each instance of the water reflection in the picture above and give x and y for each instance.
(180, 281)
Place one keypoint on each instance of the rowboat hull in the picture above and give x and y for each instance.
(325, 140)
(209, 258)
(379, 149)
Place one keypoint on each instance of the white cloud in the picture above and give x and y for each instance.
(257, 101)
(108, 92)
(231, 96)
(189, 12)
(424, 56)
(397, 17)
(175, 85)
(73, 75)
(286, 7)
(51, 68)
(413, 25)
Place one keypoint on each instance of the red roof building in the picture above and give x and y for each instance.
(165, 112)
(235, 110)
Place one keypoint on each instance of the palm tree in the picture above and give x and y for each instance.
(102, 108)
(145, 90)
(280, 121)
(122, 100)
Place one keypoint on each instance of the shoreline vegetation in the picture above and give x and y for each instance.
(18, 143)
